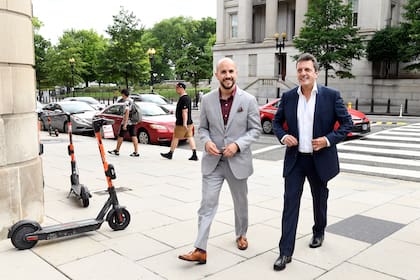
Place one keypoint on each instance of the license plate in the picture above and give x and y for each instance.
(364, 126)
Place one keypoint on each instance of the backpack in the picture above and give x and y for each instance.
(135, 113)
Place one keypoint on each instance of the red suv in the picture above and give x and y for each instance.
(361, 123)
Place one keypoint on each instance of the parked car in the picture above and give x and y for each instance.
(160, 100)
(156, 127)
(89, 100)
(81, 116)
(361, 123)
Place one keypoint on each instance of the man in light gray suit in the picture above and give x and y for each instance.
(229, 124)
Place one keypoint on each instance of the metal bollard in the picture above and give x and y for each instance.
(348, 105)
(401, 110)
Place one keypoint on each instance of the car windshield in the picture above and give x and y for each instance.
(76, 107)
(153, 98)
(150, 109)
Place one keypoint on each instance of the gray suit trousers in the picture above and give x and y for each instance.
(211, 186)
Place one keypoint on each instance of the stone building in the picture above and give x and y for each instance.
(245, 31)
(21, 183)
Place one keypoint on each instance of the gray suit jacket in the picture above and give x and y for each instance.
(243, 128)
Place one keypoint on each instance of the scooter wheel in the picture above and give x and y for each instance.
(56, 132)
(119, 224)
(85, 197)
(18, 237)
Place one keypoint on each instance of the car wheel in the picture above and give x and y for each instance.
(267, 126)
(143, 137)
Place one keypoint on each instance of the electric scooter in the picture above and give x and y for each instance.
(79, 190)
(25, 234)
(51, 131)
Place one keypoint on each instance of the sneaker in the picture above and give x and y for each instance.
(167, 155)
(134, 154)
(114, 152)
(193, 157)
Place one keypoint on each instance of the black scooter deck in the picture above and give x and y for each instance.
(66, 229)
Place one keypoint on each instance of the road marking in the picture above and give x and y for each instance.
(266, 149)
(388, 123)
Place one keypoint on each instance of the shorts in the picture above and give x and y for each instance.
(180, 131)
(130, 129)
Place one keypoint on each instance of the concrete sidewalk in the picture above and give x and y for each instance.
(373, 233)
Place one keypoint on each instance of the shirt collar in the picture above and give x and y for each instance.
(233, 93)
(313, 92)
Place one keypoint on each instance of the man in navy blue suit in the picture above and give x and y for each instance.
(304, 122)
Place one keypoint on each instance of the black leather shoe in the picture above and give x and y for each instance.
(316, 241)
(281, 262)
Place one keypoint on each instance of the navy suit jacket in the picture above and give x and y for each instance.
(329, 108)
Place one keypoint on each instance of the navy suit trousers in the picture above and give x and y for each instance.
(304, 168)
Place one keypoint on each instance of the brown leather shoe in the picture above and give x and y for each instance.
(242, 243)
(197, 255)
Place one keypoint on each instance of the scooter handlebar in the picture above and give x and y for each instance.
(98, 122)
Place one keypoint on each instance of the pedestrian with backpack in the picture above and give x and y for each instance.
(128, 124)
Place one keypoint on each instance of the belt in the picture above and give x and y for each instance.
(305, 154)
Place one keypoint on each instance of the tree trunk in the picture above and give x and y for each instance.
(326, 76)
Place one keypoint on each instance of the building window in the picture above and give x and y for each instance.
(252, 65)
(355, 8)
(234, 26)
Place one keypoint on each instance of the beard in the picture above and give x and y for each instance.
(227, 86)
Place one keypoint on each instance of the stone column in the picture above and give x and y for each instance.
(220, 22)
(245, 21)
(21, 183)
(271, 14)
(301, 10)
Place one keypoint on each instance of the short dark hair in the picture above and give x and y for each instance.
(125, 92)
(308, 57)
(181, 85)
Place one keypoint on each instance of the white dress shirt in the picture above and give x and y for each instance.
(305, 118)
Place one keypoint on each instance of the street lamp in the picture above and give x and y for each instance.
(72, 61)
(281, 57)
(151, 52)
(283, 39)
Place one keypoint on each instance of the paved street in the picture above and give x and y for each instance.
(374, 223)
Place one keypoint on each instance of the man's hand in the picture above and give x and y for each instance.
(212, 149)
(230, 150)
(290, 141)
(319, 143)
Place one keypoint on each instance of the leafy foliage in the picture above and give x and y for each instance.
(125, 57)
(41, 49)
(122, 58)
(329, 35)
(411, 28)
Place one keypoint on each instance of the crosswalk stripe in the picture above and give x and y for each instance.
(392, 153)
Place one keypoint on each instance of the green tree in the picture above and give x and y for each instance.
(177, 34)
(329, 35)
(385, 47)
(125, 57)
(41, 47)
(91, 47)
(193, 65)
(411, 28)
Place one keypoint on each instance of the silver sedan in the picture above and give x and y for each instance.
(81, 116)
